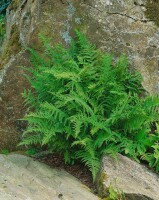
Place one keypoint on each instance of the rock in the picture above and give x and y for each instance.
(22, 178)
(12, 84)
(114, 26)
(128, 176)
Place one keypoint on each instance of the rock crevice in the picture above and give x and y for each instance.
(130, 17)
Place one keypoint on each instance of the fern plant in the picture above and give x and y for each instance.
(83, 104)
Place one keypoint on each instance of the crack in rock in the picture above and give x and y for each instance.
(122, 14)
(130, 17)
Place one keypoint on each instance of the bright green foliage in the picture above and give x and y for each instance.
(86, 104)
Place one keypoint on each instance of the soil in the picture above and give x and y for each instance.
(78, 169)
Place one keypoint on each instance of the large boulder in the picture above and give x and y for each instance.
(22, 178)
(129, 177)
(11, 102)
(114, 26)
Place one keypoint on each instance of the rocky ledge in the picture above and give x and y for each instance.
(22, 178)
(131, 178)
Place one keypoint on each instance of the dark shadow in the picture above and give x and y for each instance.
(137, 197)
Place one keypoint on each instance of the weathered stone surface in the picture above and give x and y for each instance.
(115, 26)
(11, 102)
(22, 178)
(152, 10)
(135, 180)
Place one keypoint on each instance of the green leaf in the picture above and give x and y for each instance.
(83, 104)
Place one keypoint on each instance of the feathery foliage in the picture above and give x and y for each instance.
(84, 104)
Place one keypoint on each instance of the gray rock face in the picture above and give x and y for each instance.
(22, 178)
(116, 26)
(135, 180)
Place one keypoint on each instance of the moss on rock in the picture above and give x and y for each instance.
(152, 10)
(13, 46)
(14, 4)
(102, 190)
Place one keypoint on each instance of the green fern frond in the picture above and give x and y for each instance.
(85, 104)
(106, 137)
(47, 137)
(77, 125)
(35, 139)
(55, 112)
(89, 157)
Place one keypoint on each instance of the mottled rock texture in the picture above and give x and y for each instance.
(12, 84)
(126, 175)
(115, 26)
(152, 10)
(22, 178)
